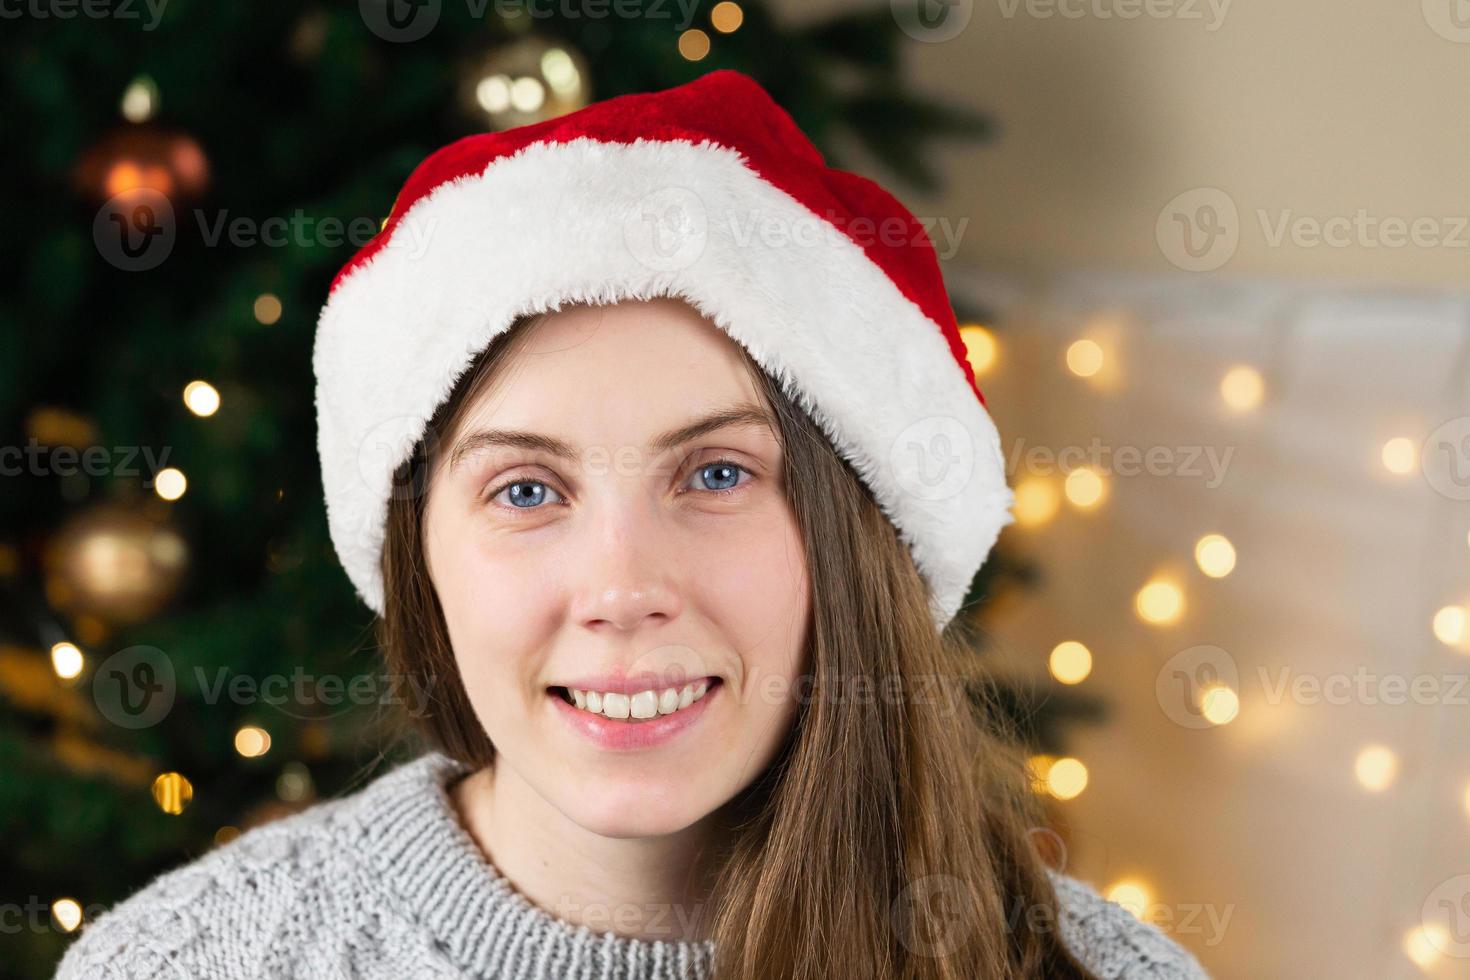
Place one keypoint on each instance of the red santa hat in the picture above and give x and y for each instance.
(707, 191)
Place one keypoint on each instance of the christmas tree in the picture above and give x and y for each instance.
(181, 657)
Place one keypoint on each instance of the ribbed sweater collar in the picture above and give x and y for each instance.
(417, 845)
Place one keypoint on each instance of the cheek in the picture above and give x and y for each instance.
(494, 601)
(757, 595)
(760, 603)
(758, 580)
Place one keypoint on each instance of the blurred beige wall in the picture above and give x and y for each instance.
(1301, 111)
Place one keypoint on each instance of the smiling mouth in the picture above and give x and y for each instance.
(640, 706)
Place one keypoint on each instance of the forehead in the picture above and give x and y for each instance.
(618, 373)
(636, 335)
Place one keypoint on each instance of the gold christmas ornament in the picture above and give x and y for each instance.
(116, 564)
(172, 792)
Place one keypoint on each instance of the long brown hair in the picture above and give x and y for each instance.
(892, 835)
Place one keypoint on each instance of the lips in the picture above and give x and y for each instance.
(623, 734)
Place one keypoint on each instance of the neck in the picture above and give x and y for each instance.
(643, 888)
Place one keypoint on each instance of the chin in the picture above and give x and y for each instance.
(636, 810)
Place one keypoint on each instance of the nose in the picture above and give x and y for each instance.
(627, 574)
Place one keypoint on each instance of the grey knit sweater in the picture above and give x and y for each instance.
(386, 883)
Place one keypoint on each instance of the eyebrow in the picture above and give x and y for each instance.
(736, 415)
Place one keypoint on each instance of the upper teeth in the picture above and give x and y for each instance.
(644, 704)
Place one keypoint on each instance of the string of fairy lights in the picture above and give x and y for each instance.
(1161, 601)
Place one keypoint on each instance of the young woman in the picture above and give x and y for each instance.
(676, 560)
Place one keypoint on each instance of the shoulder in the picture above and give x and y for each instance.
(234, 911)
(1112, 942)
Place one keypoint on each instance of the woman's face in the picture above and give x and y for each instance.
(576, 540)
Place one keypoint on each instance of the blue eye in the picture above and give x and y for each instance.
(723, 473)
(525, 494)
